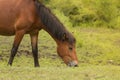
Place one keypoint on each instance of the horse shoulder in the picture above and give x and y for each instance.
(27, 17)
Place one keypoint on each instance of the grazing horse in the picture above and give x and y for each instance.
(20, 17)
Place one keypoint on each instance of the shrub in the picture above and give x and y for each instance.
(97, 13)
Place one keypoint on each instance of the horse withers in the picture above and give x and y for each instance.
(19, 17)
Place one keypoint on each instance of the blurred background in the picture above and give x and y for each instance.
(87, 13)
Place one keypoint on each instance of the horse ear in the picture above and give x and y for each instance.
(64, 37)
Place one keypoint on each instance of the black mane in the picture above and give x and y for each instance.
(52, 24)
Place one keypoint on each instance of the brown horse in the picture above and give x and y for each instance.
(19, 17)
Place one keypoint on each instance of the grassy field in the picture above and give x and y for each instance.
(88, 72)
(97, 50)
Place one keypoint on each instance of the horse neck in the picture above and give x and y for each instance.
(51, 23)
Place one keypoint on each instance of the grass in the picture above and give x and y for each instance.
(98, 45)
(97, 50)
(84, 72)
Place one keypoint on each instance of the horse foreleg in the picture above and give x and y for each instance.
(18, 37)
(34, 43)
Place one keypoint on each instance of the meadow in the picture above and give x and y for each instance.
(97, 50)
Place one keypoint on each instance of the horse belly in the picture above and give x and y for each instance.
(8, 16)
(7, 25)
(7, 31)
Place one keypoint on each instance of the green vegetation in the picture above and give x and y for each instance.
(98, 45)
(60, 73)
(87, 13)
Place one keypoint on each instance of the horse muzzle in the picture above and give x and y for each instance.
(72, 64)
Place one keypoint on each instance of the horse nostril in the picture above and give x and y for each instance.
(76, 65)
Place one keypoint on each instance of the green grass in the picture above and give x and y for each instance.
(97, 50)
(84, 72)
(98, 45)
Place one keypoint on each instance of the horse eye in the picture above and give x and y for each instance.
(70, 48)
